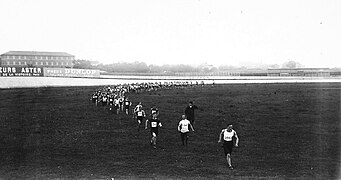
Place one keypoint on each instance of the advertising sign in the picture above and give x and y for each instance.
(67, 72)
(21, 71)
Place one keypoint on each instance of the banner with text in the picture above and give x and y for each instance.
(21, 71)
(67, 72)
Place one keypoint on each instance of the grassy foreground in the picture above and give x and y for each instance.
(286, 131)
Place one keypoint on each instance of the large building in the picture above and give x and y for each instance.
(36, 59)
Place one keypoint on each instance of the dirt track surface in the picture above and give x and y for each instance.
(286, 131)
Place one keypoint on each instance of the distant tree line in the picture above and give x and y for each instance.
(142, 67)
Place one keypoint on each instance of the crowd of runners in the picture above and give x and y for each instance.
(116, 96)
(116, 99)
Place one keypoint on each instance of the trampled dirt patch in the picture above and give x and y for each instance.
(286, 131)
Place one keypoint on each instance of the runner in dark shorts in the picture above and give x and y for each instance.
(226, 137)
(228, 145)
(154, 124)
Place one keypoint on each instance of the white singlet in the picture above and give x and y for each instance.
(184, 125)
(228, 135)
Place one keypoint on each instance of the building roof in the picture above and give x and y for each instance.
(35, 53)
(297, 69)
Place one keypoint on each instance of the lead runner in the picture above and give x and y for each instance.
(227, 135)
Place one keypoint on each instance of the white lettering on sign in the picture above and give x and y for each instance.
(67, 72)
(20, 71)
(7, 70)
(79, 71)
(55, 71)
(30, 70)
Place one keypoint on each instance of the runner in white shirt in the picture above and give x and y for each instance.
(140, 115)
(117, 105)
(227, 135)
(127, 105)
(183, 128)
(138, 107)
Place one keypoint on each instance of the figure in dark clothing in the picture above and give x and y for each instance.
(189, 112)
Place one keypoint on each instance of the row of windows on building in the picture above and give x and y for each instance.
(47, 63)
(40, 57)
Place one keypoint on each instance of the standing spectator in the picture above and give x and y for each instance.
(189, 112)
(154, 124)
(227, 136)
(183, 128)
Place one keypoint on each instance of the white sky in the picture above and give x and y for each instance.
(177, 31)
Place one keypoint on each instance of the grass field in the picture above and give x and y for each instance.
(286, 131)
